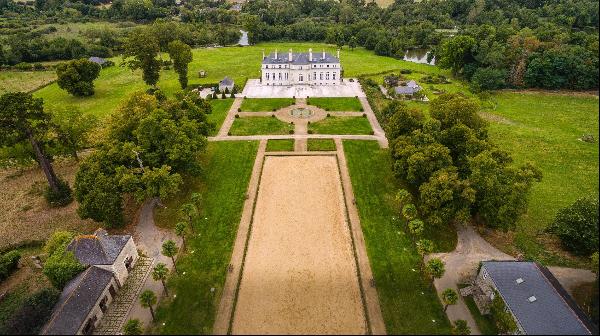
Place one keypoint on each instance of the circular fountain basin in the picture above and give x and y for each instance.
(301, 112)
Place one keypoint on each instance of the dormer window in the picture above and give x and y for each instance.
(532, 299)
(519, 281)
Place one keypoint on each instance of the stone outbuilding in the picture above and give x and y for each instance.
(85, 299)
(533, 296)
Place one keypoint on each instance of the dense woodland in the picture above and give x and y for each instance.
(493, 43)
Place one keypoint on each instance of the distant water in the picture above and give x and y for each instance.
(418, 56)
(244, 39)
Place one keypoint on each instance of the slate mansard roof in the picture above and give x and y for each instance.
(78, 298)
(99, 248)
(538, 302)
(300, 58)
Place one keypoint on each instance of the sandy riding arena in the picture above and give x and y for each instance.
(299, 275)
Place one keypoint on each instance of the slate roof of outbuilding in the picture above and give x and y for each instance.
(99, 248)
(299, 58)
(98, 60)
(552, 312)
(76, 301)
(226, 81)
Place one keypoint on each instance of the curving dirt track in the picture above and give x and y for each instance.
(299, 275)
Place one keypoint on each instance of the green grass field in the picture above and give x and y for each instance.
(545, 129)
(336, 104)
(265, 104)
(220, 107)
(259, 125)
(341, 125)
(320, 145)
(408, 303)
(117, 83)
(284, 145)
(13, 81)
(223, 185)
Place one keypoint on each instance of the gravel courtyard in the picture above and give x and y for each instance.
(299, 275)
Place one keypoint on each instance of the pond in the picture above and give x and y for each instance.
(418, 56)
(244, 38)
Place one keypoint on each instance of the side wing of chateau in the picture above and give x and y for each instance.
(310, 68)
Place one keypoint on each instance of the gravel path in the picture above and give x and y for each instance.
(299, 272)
(462, 263)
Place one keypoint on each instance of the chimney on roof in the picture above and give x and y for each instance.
(323, 53)
(338, 53)
(290, 55)
(275, 53)
(310, 54)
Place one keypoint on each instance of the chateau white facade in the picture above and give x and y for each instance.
(279, 69)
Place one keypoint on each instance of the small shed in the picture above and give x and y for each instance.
(202, 73)
(98, 60)
(226, 84)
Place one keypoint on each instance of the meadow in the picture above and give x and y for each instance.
(12, 81)
(546, 129)
(239, 63)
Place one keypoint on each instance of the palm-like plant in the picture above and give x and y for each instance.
(169, 249)
(435, 268)
(450, 297)
(189, 211)
(416, 228)
(148, 300)
(180, 231)
(159, 273)
(461, 328)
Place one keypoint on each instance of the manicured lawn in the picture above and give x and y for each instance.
(13, 81)
(545, 129)
(259, 125)
(341, 125)
(283, 145)
(320, 145)
(223, 185)
(117, 83)
(336, 104)
(220, 107)
(484, 322)
(265, 104)
(408, 303)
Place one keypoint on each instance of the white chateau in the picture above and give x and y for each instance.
(301, 68)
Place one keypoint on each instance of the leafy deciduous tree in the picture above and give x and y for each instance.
(77, 77)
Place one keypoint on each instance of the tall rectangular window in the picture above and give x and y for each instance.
(333, 76)
(327, 76)
(321, 76)
(280, 76)
(268, 76)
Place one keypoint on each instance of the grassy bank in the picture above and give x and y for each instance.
(223, 184)
(220, 107)
(408, 303)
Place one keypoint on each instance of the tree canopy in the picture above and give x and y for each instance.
(77, 77)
